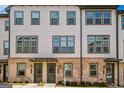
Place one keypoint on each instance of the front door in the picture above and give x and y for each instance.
(37, 73)
(51, 72)
(5, 72)
(110, 73)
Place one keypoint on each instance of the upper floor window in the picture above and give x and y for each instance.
(35, 17)
(54, 17)
(6, 48)
(6, 25)
(122, 22)
(27, 44)
(71, 17)
(63, 44)
(18, 17)
(98, 44)
(98, 17)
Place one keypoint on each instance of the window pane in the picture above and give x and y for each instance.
(6, 44)
(35, 18)
(68, 69)
(18, 14)
(6, 25)
(93, 69)
(21, 69)
(98, 17)
(63, 41)
(56, 41)
(89, 17)
(35, 14)
(122, 22)
(54, 17)
(106, 17)
(71, 17)
(70, 41)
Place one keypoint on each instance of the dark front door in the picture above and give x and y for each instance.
(37, 73)
(51, 72)
(5, 72)
(110, 73)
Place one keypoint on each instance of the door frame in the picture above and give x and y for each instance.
(113, 72)
(41, 71)
(4, 72)
(47, 72)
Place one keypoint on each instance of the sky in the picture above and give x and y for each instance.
(2, 8)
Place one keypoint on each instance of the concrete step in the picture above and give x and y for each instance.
(49, 85)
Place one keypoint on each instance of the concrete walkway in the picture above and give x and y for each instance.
(27, 86)
(49, 85)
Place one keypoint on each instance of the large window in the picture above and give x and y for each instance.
(6, 25)
(71, 17)
(27, 44)
(21, 67)
(18, 17)
(98, 44)
(63, 44)
(54, 17)
(98, 17)
(122, 22)
(6, 48)
(35, 17)
(68, 70)
(93, 69)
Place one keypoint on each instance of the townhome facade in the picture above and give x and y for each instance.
(63, 43)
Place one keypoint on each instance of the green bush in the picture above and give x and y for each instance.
(96, 83)
(14, 81)
(103, 84)
(88, 83)
(26, 81)
(20, 82)
(67, 83)
(60, 83)
(74, 83)
(83, 83)
(1, 81)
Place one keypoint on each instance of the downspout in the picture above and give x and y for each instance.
(80, 45)
(117, 46)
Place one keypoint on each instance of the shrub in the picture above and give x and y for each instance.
(1, 81)
(83, 83)
(67, 83)
(96, 83)
(14, 81)
(74, 83)
(88, 83)
(103, 84)
(20, 82)
(26, 81)
(60, 83)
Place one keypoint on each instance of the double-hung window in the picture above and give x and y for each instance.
(6, 25)
(71, 17)
(18, 17)
(98, 17)
(68, 70)
(35, 17)
(21, 67)
(63, 44)
(6, 48)
(122, 22)
(98, 44)
(54, 17)
(26, 44)
(93, 69)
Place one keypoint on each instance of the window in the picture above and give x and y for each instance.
(122, 22)
(21, 69)
(6, 25)
(98, 44)
(71, 17)
(93, 69)
(6, 48)
(54, 17)
(18, 17)
(98, 17)
(27, 44)
(63, 44)
(68, 70)
(35, 17)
